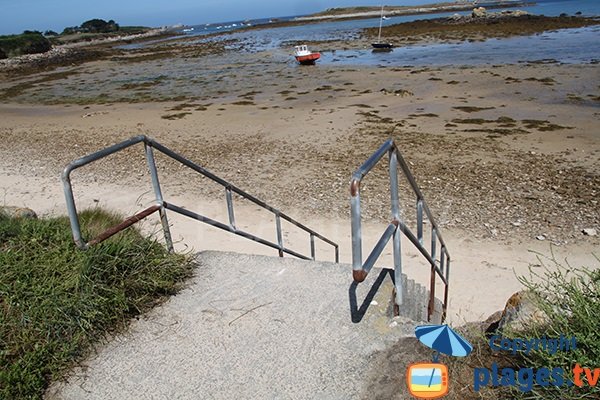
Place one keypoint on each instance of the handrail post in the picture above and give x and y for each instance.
(279, 234)
(396, 239)
(72, 210)
(445, 307)
(230, 212)
(433, 243)
(431, 305)
(312, 246)
(420, 220)
(158, 194)
(357, 273)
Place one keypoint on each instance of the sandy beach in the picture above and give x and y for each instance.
(507, 156)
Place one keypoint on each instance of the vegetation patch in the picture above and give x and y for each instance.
(471, 121)
(57, 302)
(142, 85)
(545, 81)
(569, 297)
(20, 88)
(543, 126)
(26, 43)
(472, 109)
(427, 115)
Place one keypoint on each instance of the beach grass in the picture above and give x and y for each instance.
(569, 297)
(57, 302)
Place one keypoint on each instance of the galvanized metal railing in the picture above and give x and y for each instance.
(396, 227)
(162, 206)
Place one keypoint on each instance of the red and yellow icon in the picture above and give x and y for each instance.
(427, 380)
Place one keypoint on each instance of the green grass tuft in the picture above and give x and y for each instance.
(570, 297)
(56, 301)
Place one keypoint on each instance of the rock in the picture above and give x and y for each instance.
(479, 12)
(540, 237)
(17, 212)
(589, 232)
(521, 311)
(403, 93)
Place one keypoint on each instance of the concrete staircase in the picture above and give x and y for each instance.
(254, 327)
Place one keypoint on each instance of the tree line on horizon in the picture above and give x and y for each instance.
(34, 42)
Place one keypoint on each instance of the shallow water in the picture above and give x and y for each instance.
(572, 46)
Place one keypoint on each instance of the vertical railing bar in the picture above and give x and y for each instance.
(431, 305)
(279, 233)
(420, 220)
(396, 239)
(337, 254)
(158, 194)
(312, 246)
(447, 276)
(443, 256)
(72, 210)
(355, 225)
(433, 243)
(230, 212)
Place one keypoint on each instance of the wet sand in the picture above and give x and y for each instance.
(505, 155)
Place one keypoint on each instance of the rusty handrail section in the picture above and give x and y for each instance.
(162, 206)
(439, 262)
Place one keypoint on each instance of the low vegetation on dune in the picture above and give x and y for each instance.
(57, 302)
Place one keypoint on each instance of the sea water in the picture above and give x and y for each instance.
(579, 45)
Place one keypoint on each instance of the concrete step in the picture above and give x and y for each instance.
(253, 327)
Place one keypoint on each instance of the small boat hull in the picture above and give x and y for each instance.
(382, 46)
(308, 59)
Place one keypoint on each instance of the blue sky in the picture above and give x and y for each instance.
(18, 15)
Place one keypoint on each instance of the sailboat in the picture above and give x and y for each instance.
(381, 46)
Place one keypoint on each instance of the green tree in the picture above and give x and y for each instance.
(97, 25)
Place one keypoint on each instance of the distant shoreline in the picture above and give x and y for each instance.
(373, 12)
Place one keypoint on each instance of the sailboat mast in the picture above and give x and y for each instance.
(380, 23)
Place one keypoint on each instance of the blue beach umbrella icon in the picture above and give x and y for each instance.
(443, 339)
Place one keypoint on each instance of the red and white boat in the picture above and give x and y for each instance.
(305, 56)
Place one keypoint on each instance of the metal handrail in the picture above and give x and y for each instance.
(397, 227)
(161, 205)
